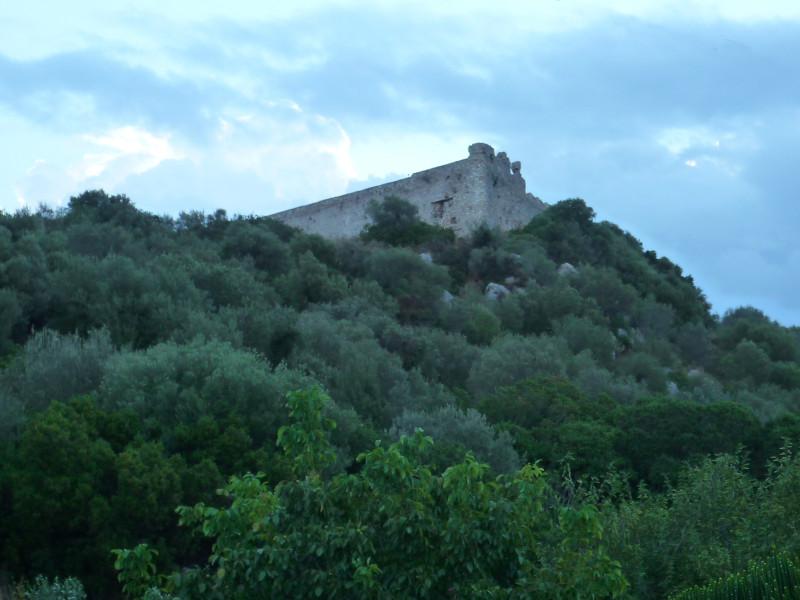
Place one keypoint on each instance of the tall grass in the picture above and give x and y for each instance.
(777, 578)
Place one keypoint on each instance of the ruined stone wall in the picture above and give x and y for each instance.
(482, 188)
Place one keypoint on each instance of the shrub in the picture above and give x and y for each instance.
(54, 367)
(777, 578)
(467, 429)
(393, 529)
(57, 589)
(395, 222)
(513, 358)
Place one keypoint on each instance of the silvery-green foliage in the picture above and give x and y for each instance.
(376, 315)
(512, 358)
(704, 388)
(769, 402)
(582, 334)
(414, 284)
(222, 325)
(230, 285)
(645, 369)
(55, 366)
(372, 295)
(537, 267)
(511, 313)
(270, 332)
(693, 341)
(346, 357)
(595, 381)
(58, 589)
(472, 318)
(422, 394)
(175, 383)
(604, 285)
(468, 428)
(654, 319)
(445, 357)
(661, 350)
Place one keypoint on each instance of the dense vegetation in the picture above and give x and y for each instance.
(590, 430)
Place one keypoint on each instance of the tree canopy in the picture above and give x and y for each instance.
(505, 425)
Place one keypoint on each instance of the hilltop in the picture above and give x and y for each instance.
(147, 359)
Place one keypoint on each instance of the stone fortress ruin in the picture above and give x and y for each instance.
(483, 188)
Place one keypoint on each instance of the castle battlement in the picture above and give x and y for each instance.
(483, 188)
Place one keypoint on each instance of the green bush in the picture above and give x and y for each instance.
(395, 222)
(392, 530)
(777, 578)
(57, 589)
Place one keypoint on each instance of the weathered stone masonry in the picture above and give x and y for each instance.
(483, 188)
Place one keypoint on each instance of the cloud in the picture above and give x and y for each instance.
(138, 150)
(43, 184)
(108, 159)
(300, 156)
(681, 128)
(255, 162)
(68, 91)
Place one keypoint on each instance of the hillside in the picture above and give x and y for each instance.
(146, 360)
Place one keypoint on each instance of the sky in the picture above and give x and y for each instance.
(679, 121)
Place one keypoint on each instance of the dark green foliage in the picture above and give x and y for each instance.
(514, 358)
(392, 530)
(473, 319)
(777, 578)
(645, 369)
(97, 206)
(395, 222)
(746, 361)
(62, 487)
(416, 285)
(543, 306)
(541, 401)
(10, 313)
(553, 421)
(271, 332)
(659, 435)
(712, 522)
(246, 240)
(145, 360)
(569, 234)
(581, 334)
(311, 282)
(693, 341)
(441, 356)
(231, 285)
(493, 264)
(750, 324)
(565, 231)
